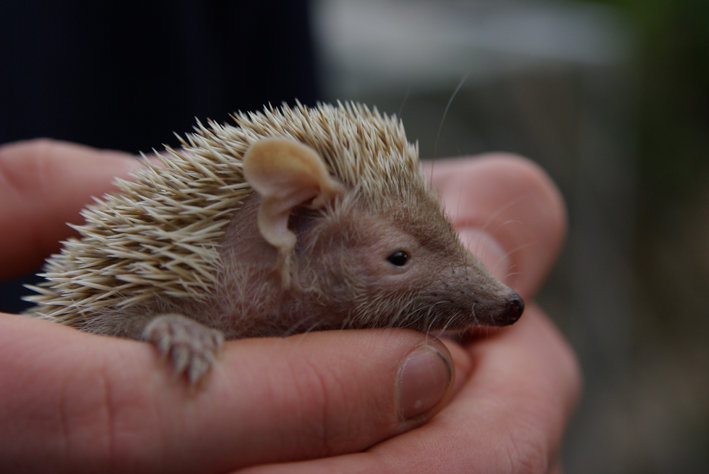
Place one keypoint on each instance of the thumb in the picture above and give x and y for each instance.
(109, 404)
(326, 393)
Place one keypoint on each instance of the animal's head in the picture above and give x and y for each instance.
(385, 256)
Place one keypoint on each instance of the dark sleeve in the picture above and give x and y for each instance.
(126, 75)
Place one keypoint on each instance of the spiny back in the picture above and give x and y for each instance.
(160, 234)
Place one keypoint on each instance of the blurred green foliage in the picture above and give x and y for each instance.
(672, 150)
(673, 100)
(671, 243)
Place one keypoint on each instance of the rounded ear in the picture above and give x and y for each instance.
(286, 174)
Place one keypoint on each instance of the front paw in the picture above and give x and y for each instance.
(191, 346)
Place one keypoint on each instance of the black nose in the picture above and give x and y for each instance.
(513, 310)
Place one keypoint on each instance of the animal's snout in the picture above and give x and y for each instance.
(514, 309)
(509, 311)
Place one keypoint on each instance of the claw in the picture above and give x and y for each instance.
(190, 346)
(180, 358)
(198, 369)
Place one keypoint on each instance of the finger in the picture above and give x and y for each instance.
(105, 402)
(508, 417)
(523, 385)
(43, 185)
(507, 211)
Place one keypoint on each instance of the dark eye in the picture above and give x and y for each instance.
(398, 258)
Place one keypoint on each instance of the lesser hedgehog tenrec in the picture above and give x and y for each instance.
(289, 220)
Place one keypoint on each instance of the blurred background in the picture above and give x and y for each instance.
(612, 99)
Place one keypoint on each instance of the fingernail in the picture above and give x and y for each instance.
(486, 249)
(424, 380)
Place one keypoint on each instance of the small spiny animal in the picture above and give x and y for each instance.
(291, 219)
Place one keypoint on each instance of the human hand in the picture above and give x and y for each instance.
(75, 401)
(516, 387)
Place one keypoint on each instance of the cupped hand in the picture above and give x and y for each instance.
(336, 401)
(515, 387)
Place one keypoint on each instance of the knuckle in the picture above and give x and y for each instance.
(327, 424)
(24, 164)
(85, 418)
(99, 423)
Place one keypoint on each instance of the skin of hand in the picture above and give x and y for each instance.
(348, 401)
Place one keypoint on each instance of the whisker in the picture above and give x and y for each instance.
(400, 113)
(510, 274)
(449, 323)
(521, 247)
(445, 112)
(500, 210)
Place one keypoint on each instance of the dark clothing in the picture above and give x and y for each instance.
(126, 75)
